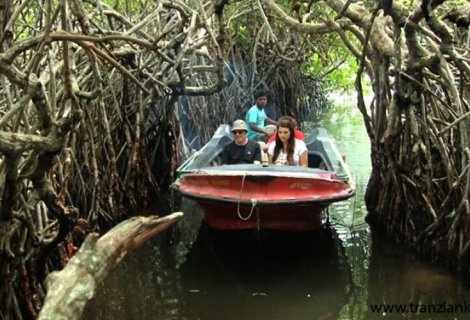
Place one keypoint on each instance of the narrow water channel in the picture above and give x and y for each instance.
(340, 272)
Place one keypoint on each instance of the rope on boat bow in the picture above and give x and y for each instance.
(253, 202)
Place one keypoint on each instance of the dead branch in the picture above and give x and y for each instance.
(71, 288)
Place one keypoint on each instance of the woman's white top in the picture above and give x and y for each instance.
(299, 149)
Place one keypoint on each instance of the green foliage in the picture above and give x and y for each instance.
(337, 70)
(410, 4)
(415, 4)
(327, 58)
(451, 215)
(24, 28)
(131, 8)
(344, 111)
(242, 34)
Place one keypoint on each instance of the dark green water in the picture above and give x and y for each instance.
(191, 272)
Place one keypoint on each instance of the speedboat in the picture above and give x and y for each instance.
(261, 196)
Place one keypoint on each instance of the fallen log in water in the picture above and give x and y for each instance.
(71, 288)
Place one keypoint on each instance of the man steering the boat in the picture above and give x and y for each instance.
(257, 119)
(241, 149)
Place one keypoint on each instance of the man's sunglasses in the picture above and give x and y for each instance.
(238, 131)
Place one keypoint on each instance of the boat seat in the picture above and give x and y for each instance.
(316, 160)
(217, 161)
(264, 151)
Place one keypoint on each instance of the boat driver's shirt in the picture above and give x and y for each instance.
(257, 116)
(248, 153)
(299, 149)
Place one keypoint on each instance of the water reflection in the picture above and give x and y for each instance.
(144, 286)
(398, 278)
(235, 275)
(269, 275)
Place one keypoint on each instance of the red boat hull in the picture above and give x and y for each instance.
(264, 199)
(228, 216)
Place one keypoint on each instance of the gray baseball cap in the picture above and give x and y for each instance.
(239, 125)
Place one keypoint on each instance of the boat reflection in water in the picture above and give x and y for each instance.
(198, 273)
(266, 275)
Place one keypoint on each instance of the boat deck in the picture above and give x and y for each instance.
(264, 170)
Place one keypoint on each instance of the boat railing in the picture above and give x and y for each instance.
(322, 147)
(209, 153)
(323, 153)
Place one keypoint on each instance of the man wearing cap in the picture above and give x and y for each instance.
(241, 150)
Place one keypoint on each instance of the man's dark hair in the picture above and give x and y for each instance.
(260, 93)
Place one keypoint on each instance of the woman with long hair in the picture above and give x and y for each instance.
(287, 150)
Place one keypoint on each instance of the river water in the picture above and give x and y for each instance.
(340, 272)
